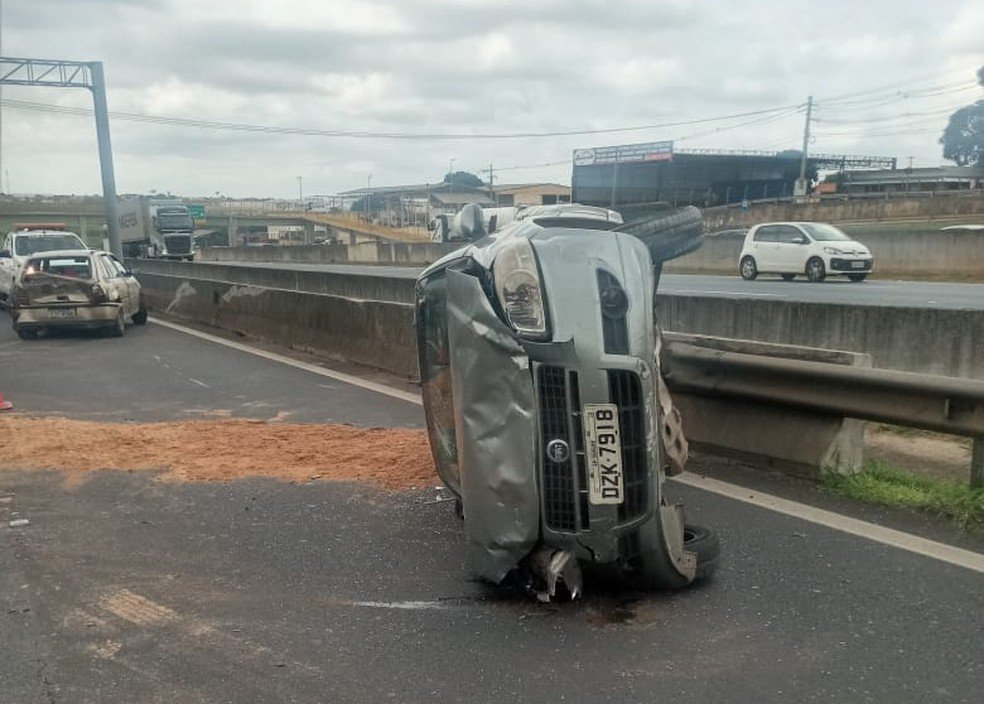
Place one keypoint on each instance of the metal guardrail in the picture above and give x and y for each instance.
(938, 403)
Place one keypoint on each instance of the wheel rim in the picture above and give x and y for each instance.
(816, 269)
(748, 268)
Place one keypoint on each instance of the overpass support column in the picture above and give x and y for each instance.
(233, 231)
(308, 232)
(977, 464)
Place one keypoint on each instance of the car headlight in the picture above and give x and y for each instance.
(832, 250)
(518, 286)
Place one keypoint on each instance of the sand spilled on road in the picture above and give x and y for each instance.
(395, 458)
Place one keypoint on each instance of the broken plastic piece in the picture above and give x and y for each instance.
(550, 568)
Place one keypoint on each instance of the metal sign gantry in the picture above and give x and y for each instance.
(56, 73)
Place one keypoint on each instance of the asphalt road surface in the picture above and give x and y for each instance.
(124, 588)
(916, 294)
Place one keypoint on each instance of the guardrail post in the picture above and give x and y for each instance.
(977, 464)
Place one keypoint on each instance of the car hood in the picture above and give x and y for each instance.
(847, 247)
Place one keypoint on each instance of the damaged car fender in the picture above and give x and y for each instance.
(495, 424)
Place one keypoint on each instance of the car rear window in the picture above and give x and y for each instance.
(71, 267)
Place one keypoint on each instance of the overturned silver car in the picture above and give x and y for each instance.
(545, 408)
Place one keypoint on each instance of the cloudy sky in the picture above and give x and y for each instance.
(885, 74)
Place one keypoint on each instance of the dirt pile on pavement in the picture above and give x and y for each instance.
(395, 458)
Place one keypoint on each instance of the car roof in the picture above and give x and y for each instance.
(31, 233)
(64, 253)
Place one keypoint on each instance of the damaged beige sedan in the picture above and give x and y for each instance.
(75, 290)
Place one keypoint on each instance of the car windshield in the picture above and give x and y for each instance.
(824, 233)
(32, 244)
(72, 267)
(174, 221)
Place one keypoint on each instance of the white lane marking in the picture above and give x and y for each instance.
(401, 605)
(887, 536)
(297, 364)
(737, 294)
(200, 383)
(871, 531)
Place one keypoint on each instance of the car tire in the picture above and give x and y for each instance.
(748, 268)
(815, 270)
(140, 317)
(788, 277)
(26, 333)
(119, 325)
(705, 543)
(668, 234)
(858, 277)
(644, 571)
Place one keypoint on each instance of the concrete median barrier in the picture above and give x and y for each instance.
(378, 334)
(385, 253)
(386, 286)
(926, 340)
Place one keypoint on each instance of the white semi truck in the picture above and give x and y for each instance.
(156, 227)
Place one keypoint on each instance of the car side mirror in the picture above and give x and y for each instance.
(802, 240)
(5, 254)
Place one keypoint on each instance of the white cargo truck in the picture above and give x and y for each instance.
(159, 228)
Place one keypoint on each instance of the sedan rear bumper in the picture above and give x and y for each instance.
(67, 316)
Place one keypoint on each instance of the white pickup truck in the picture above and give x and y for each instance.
(20, 245)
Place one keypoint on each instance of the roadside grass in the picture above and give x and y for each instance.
(880, 484)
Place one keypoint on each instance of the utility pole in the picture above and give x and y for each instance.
(801, 188)
(1, 105)
(451, 175)
(491, 174)
(369, 198)
(300, 189)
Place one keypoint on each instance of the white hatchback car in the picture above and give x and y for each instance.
(815, 249)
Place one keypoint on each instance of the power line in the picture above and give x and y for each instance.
(351, 134)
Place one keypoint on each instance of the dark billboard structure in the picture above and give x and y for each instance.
(655, 171)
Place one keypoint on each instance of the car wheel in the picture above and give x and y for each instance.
(119, 325)
(788, 277)
(857, 277)
(748, 269)
(668, 234)
(815, 270)
(26, 333)
(140, 317)
(647, 571)
(705, 543)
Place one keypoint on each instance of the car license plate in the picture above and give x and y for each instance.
(603, 445)
(61, 313)
(857, 265)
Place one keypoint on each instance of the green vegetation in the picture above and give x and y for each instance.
(879, 484)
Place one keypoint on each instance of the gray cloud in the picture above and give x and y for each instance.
(463, 66)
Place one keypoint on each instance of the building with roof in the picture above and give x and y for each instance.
(656, 171)
(937, 178)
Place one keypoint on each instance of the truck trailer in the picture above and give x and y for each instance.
(159, 228)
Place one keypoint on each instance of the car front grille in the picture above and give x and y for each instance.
(558, 480)
(848, 264)
(177, 244)
(566, 507)
(626, 393)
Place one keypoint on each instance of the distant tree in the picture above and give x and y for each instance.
(463, 179)
(963, 138)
